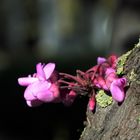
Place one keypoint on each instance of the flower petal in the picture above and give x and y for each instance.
(110, 78)
(113, 61)
(40, 71)
(48, 70)
(101, 60)
(33, 89)
(39, 86)
(34, 103)
(95, 82)
(28, 94)
(109, 71)
(45, 96)
(55, 89)
(25, 81)
(121, 82)
(117, 93)
(102, 83)
(117, 89)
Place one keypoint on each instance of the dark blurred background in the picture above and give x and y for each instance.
(72, 33)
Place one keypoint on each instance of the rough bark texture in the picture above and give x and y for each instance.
(119, 122)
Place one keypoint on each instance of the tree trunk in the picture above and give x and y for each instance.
(119, 121)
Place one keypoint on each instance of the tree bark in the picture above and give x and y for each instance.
(119, 121)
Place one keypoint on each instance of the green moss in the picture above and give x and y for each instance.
(103, 99)
(121, 61)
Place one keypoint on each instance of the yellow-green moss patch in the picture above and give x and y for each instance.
(103, 99)
(121, 61)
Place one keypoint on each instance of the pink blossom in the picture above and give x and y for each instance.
(91, 103)
(113, 61)
(107, 79)
(99, 82)
(110, 76)
(40, 87)
(101, 60)
(117, 89)
(102, 82)
(116, 85)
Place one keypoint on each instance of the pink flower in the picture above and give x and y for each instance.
(40, 87)
(91, 103)
(117, 89)
(110, 76)
(101, 60)
(107, 79)
(116, 85)
(99, 82)
(113, 61)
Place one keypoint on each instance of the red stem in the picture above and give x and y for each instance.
(65, 82)
(77, 79)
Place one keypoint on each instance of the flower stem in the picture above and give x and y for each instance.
(77, 79)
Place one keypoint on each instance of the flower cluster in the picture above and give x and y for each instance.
(48, 85)
(42, 86)
(104, 77)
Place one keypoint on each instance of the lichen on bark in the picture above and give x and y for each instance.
(121, 62)
(103, 99)
(119, 121)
